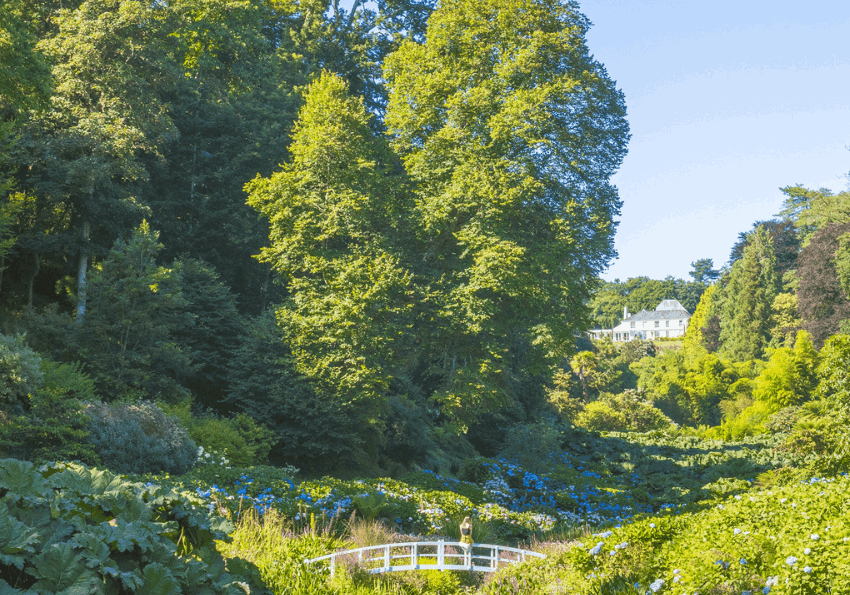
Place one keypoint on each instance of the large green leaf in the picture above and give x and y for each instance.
(58, 567)
(15, 536)
(158, 581)
(18, 477)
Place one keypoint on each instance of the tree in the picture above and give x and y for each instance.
(651, 293)
(786, 243)
(336, 213)
(824, 209)
(82, 157)
(821, 301)
(789, 377)
(694, 334)
(784, 321)
(746, 312)
(210, 332)
(135, 307)
(24, 73)
(606, 305)
(312, 430)
(703, 271)
(510, 131)
(834, 385)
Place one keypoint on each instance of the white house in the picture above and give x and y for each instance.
(669, 319)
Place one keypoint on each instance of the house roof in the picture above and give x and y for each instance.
(666, 310)
(670, 305)
(658, 315)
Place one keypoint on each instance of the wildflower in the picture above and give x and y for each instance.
(815, 536)
(736, 531)
(807, 551)
(807, 569)
(656, 586)
(743, 561)
(790, 560)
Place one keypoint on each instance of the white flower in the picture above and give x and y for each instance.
(815, 536)
(807, 551)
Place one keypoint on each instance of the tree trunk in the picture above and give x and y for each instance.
(82, 267)
(32, 279)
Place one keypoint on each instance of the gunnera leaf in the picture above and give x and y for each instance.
(20, 477)
(158, 581)
(59, 567)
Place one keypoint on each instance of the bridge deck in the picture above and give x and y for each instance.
(428, 555)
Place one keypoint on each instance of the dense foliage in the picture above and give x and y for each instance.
(65, 528)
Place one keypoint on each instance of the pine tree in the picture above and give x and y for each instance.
(747, 308)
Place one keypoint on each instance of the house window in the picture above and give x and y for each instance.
(666, 333)
(633, 325)
(667, 323)
(657, 323)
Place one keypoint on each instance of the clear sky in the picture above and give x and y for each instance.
(727, 102)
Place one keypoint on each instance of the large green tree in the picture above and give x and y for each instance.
(510, 131)
(127, 339)
(82, 157)
(337, 214)
(746, 311)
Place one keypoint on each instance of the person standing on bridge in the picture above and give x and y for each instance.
(466, 539)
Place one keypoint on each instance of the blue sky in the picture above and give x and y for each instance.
(727, 102)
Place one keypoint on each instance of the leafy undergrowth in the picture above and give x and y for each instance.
(597, 481)
(68, 529)
(785, 540)
(615, 514)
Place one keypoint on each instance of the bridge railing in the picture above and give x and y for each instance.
(428, 555)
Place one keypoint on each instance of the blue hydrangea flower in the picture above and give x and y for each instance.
(790, 560)
(807, 569)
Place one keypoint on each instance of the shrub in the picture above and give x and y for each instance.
(140, 438)
(627, 411)
(42, 417)
(240, 439)
(20, 373)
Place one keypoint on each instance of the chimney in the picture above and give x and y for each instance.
(625, 312)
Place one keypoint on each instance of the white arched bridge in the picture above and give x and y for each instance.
(428, 555)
